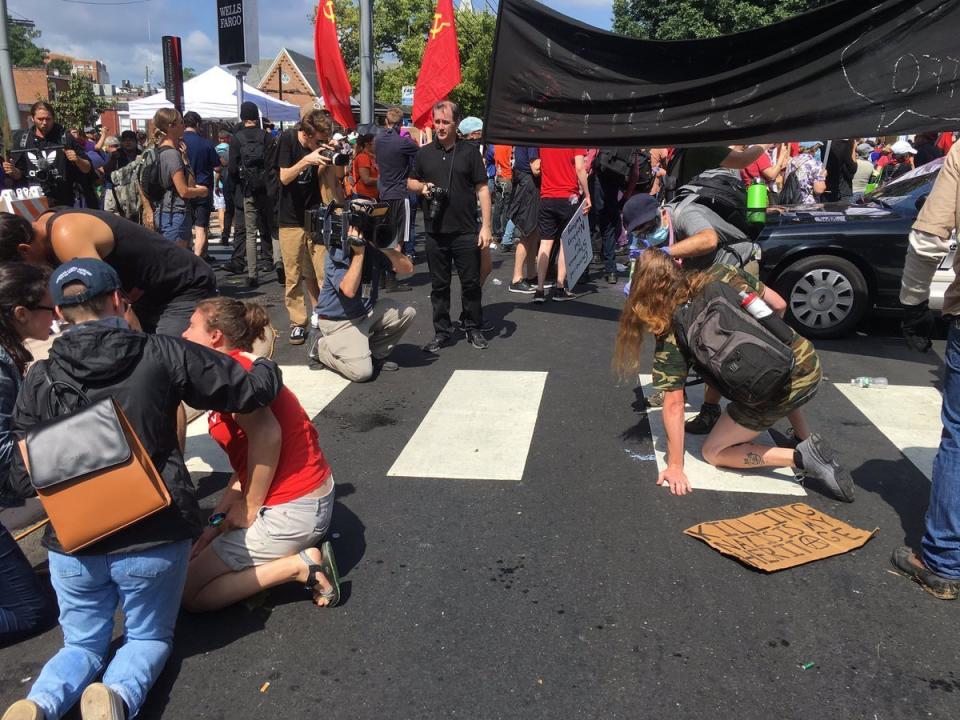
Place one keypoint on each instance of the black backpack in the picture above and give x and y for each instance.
(149, 175)
(724, 193)
(790, 193)
(271, 163)
(253, 162)
(644, 172)
(616, 163)
(732, 350)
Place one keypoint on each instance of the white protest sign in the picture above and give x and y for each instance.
(577, 248)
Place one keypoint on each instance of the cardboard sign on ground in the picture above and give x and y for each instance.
(781, 537)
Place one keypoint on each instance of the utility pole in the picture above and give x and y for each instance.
(366, 62)
(6, 72)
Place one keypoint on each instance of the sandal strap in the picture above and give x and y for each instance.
(312, 571)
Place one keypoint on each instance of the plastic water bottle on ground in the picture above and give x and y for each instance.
(867, 382)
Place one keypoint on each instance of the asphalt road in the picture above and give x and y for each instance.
(572, 593)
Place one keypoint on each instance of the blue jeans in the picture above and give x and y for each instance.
(176, 226)
(941, 541)
(24, 607)
(147, 585)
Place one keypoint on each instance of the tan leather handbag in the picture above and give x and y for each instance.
(91, 472)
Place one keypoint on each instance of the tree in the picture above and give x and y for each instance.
(400, 35)
(23, 51)
(59, 66)
(77, 106)
(685, 19)
(189, 72)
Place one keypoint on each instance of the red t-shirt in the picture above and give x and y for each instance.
(502, 155)
(755, 169)
(558, 174)
(301, 468)
(361, 160)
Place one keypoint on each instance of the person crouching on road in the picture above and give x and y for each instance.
(280, 498)
(658, 288)
(141, 567)
(357, 329)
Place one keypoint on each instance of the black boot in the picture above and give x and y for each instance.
(704, 421)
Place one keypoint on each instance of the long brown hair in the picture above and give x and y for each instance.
(659, 286)
(20, 284)
(242, 323)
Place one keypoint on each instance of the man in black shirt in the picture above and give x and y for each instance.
(307, 179)
(47, 155)
(450, 220)
(841, 167)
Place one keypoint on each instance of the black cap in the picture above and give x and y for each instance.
(128, 135)
(249, 111)
(639, 210)
(96, 276)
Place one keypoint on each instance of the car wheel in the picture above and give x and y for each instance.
(826, 296)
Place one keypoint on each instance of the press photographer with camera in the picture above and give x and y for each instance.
(309, 178)
(450, 177)
(357, 329)
(47, 156)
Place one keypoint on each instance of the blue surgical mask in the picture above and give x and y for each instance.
(658, 237)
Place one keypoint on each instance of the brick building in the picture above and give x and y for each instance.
(93, 69)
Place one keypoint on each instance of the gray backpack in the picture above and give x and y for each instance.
(732, 351)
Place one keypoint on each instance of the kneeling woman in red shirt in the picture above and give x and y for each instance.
(265, 529)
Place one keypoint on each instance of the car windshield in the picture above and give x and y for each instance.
(904, 192)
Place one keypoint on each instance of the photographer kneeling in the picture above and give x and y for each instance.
(358, 330)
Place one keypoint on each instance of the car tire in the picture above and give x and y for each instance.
(826, 296)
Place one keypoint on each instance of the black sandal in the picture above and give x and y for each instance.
(328, 568)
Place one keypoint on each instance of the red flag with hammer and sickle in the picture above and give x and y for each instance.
(440, 67)
(331, 72)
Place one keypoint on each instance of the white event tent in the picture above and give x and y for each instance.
(213, 94)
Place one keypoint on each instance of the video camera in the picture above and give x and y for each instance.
(339, 158)
(337, 226)
(43, 170)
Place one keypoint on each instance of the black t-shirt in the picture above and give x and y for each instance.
(841, 167)
(459, 169)
(146, 261)
(304, 190)
(31, 155)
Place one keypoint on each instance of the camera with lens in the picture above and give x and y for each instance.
(43, 170)
(353, 224)
(438, 198)
(338, 157)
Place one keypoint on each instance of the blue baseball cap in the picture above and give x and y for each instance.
(639, 210)
(96, 276)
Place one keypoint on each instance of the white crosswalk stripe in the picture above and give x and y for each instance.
(702, 475)
(314, 388)
(908, 415)
(479, 428)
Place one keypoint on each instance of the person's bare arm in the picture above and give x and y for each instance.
(82, 162)
(264, 439)
(581, 169)
(673, 419)
(400, 262)
(350, 282)
(331, 188)
(535, 167)
(188, 191)
(486, 233)
(701, 243)
(740, 159)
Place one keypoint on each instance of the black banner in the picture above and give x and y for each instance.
(849, 69)
(230, 33)
(173, 70)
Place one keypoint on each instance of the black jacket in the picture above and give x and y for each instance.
(148, 376)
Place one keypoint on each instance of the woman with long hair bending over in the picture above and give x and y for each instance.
(277, 507)
(658, 288)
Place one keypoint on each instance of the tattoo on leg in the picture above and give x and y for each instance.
(752, 459)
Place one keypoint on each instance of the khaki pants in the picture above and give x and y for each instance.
(302, 260)
(350, 346)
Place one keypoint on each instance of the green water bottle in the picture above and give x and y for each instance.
(757, 198)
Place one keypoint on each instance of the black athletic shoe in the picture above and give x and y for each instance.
(819, 462)
(477, 340)
(562, 295)
(703, 423)
(909, 565)
(612, 278)
(522, 287)
(538, 296)
(433, 347)
(233, 268)
(250, 283)
(507, 249)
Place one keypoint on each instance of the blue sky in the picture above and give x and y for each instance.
(127, 37)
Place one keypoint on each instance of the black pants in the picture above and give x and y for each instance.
(443, 251)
